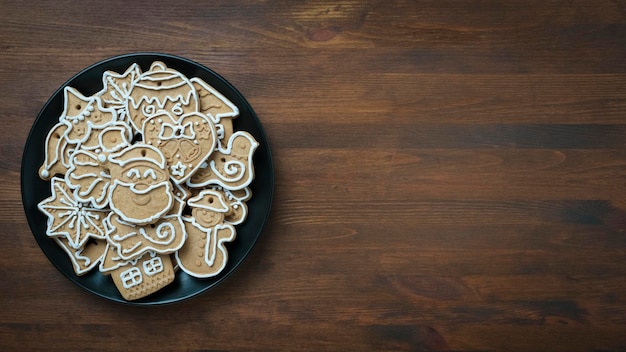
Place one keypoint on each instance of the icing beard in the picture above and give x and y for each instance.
(140, 190)
(141, 206)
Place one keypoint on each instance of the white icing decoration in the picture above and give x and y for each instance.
(178, 169)
(89, 124)
(76, 215)
(116, 183)
(217, 206)
(177, 109)
(131, 277)
(148, 110)
(132, 248)
(76, 256)
(102, 158)
(234, 170)
(210, 249)
(153, 266)
(169, 131)
(234, 110)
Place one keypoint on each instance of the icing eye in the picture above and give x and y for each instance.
(133, 174)
(150, 173)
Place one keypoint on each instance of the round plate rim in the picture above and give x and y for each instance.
(268, 168)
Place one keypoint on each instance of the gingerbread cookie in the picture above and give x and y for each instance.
(57, 153)
(140, 189)
(81, 114)
(147, 176)
(165, 236)
(229, 167)
(216, 106)
(143, 276)
(69, 218)
(86, 257)
(185, 141)
(160, 89)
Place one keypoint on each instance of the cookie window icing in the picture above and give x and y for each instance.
(146, 175)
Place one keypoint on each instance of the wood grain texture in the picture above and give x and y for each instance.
(450, 175)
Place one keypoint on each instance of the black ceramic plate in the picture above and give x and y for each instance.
(34, 190)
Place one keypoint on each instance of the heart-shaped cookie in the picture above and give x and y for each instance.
(186, 142)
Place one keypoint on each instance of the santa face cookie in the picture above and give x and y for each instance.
(140, 189)
(160, 89)
(185, 141)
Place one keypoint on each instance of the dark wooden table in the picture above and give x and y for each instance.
(449, 174)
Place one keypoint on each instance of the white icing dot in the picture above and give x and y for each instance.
(196, 123)
(45, 173)
(160, 120)
(149, 142)
(87, 113)
(102, 158)
(75, 122)
(195, 141)
(152, 122)
(90, 108)
(178, 156)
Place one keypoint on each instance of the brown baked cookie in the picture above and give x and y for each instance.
(160, 89)
(143, 276)
(229, 167)
(185, 142)
(140, 188)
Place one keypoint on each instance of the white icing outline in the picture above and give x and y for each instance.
(178, 131)
(150, 268)
(132, 188)
(76, 256)
(89, 125)
(84, 195)
(235, 110)
(75, 213)
(211, 243)
(131, 277)
(148, 243)
(190, 170)
(159, 68)
(195, 201)
(49, 164)
(225, 181)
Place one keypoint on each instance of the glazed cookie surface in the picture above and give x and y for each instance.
(147, 176)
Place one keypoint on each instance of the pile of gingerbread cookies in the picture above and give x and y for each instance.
(147, 177)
